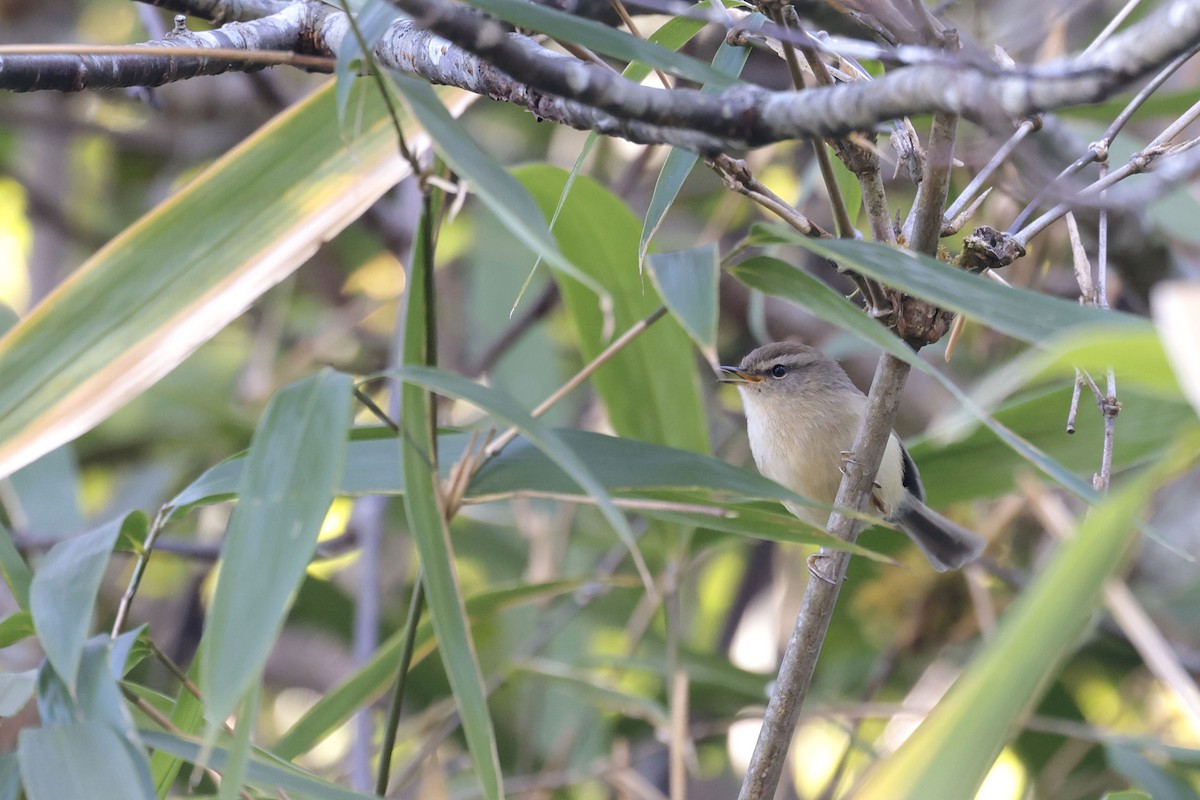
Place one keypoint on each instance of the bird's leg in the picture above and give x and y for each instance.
(814, 567)
(846, 460)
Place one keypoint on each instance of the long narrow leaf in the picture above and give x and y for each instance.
(283, 777)
(63, 596)
(427, 518)
(167, 284)
(1020, 313)
(952, 750)
(508, 411)
(729, 60)
(601, 38)
(507, 199)
(651, 388)
(294, 464)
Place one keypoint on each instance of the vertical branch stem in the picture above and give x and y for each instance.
(820, 597)
(935, 185)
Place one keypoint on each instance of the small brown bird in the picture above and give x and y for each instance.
(802, 413)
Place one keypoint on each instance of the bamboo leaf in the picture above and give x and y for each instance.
(292, 469)
(508, 411)
(729, 60)
(651, 387)
(62, 761)
(167, 284)
(687, 281)
(1023, 314)
(952, 750)
(427, 518)
(601, 38)
(63, 596)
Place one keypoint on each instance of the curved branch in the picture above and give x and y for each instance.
(748, 116)
(565, 90)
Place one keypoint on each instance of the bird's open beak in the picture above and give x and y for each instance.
(735, 375)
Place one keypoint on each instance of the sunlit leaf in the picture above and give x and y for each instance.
(167, 284)
(953, 749)
(651, 387)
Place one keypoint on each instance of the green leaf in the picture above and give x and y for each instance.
(951, 752)
(16, 689)
(187, 717)
(94, 704)
(63, 596)
(651, 387)
(16, 627)
(134, 530)
(507, 199)
(10, 769)
(601, 38)
(372, 18)
(45, 496)
(729, 60)
(293, 467)
(1023, 314)
(507, 410)
(597, 690)
(274, 775)
(233, 777)
(366, 685)
(1159, 781)
(85, 759)
(16, 572)
(427, 518)
(167, 284)
(687, 281)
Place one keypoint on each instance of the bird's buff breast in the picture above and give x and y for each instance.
(803, 456)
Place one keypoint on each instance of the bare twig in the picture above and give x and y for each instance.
(617, 346)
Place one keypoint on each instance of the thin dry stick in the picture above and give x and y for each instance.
(841, 215)
(1098, 151)
(617, 346)
(985, 174)
(1142, 161)
(820, 596)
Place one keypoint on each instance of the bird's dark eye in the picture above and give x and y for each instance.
(779, 370)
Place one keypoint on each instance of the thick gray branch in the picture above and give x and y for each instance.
(76, 73)
(564, 90)
(751, 116)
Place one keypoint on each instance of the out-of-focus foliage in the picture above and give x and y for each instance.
(325, 487)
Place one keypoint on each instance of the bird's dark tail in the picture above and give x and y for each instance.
(946, 545)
